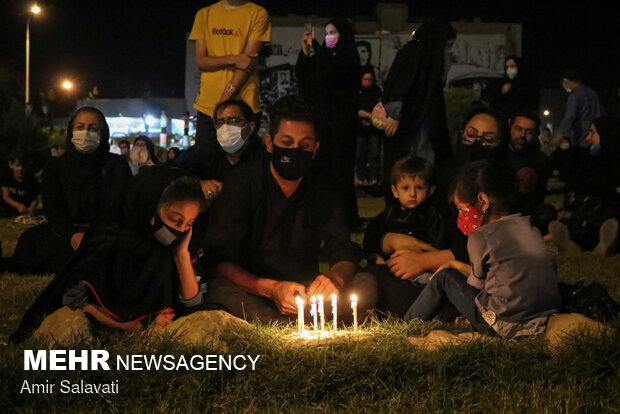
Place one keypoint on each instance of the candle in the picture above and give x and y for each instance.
(313, 312)
(300, 313)
(335, 310)
(321, 312)
(354, 307)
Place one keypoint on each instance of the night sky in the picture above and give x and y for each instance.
(137, 48)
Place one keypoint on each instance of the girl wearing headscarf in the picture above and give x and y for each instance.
(140, 271)
(81, 189)
(413, 97)
(329, 79)
(368, 137)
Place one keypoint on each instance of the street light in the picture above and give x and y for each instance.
(546, 112)
(67, 85)
(34, 10)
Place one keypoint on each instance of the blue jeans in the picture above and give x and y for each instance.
(450, 285)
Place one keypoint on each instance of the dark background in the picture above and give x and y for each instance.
(137, 48)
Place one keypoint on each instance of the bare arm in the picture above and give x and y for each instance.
(183, 261)
(396, 241)
(406, 264)
(281, 292)
(7, 199)
(243, 70)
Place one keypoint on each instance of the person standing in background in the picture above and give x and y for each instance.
(329, 80)
(229, 35)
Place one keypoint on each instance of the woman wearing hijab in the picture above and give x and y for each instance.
(368, 155)
(413, 97)
(142, 154)
(81, 189)
(140, 271)
(329, 79)
(594, 224)
(520, 89)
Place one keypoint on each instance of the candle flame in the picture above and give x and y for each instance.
(334, 296)
(299, 300)
(353, 299)
(313, 299)
(320, 298)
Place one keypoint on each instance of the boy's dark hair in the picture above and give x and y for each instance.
(494, 179)
(186, 188)
(572, 74)
(529, 114)
(123, 141)
(413, 167)
(291, 108)
(18, 155)
(245, 109)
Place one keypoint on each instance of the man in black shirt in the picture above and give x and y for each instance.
(238, 143)
(266, 230)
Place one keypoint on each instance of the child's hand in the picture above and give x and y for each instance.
(21, 208)
(464, 268)
(406, 264)
(183, 246)
(164, 318)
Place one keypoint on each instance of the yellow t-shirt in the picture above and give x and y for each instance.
(226, 32)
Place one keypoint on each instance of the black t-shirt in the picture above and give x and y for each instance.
(255, 226)
(212, 163)
(24, 191)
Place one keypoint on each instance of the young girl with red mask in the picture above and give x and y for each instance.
(510, 287)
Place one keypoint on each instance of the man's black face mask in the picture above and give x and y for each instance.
(291, 163)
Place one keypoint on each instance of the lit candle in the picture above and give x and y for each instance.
(300, 314)
(354, 307)
(321, 312)
(335, 310)
(313, 312)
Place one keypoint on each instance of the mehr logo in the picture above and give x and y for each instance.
(226, 32)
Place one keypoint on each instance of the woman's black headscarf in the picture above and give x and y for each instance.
(149, 146)
(128, 272)
(81, 170)
(416, 79)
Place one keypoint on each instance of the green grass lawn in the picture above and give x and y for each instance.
(386, 374)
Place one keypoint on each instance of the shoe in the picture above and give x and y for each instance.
(608, 234)
(561, 237)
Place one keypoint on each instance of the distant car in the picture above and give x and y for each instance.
(486, 82)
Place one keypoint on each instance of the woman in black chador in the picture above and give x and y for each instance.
(125, 277)
(329, 79)
(413, 97)
(81, 190)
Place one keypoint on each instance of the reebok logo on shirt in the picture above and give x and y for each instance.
(226, 32)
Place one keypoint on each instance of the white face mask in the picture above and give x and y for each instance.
(511, 73)
(85, 142)
(564, 146)
(230, 138)
(568, 90)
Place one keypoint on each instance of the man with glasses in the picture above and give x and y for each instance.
(273, 220)
(238, 143)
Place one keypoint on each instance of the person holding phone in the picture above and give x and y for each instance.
(329, 80)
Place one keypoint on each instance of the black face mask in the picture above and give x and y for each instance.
(291, 163)
(466, 154)
(165, 234)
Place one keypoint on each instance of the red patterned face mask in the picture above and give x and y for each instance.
(470, 219)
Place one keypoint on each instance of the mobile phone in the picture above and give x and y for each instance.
(308, 28)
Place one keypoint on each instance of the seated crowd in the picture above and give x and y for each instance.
(248, 226)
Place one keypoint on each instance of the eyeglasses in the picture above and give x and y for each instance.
(488, 139)
(231, 120)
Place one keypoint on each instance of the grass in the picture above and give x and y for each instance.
(384, 375)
